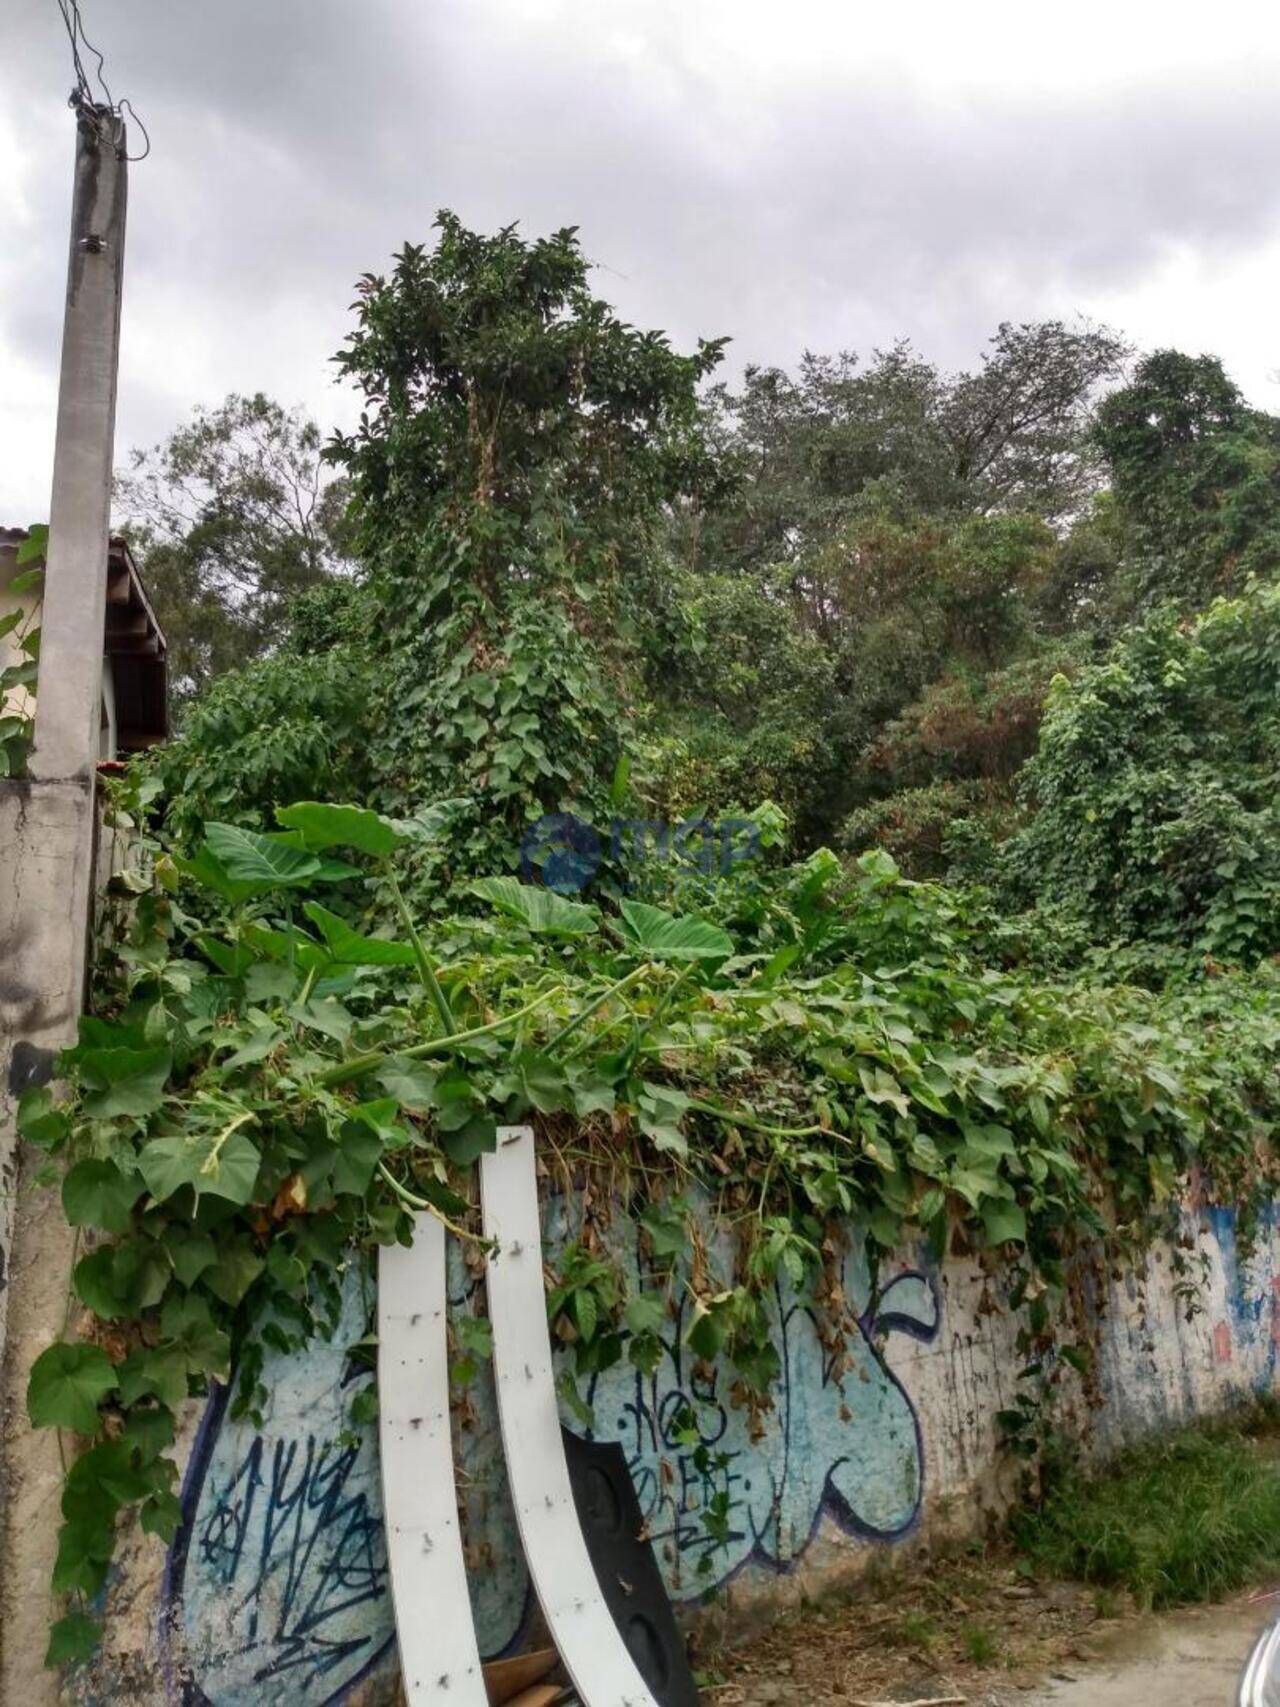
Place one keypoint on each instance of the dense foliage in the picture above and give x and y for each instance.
(508, 477)
(1156, 814)
(877, 608)
(22, 632)
(266, 1088)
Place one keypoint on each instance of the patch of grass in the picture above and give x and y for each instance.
(1191, 1516)
(980, 1646)
(1107, 1603)
(914, 1630)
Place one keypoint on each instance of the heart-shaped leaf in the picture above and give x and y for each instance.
(265, 862)
(668, 936)
(124, 1081)
(97, 1194)
(66, 1384)
(539, 910)
(324, 826)
(179, 1159)
(348, 948)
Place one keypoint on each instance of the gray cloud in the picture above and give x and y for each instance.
(296, 146)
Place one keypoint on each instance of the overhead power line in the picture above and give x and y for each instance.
(91, 104)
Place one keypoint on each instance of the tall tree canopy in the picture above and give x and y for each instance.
(518, 450)
(1196, 473)
(231, 517)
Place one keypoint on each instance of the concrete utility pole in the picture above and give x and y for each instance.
(47, 842)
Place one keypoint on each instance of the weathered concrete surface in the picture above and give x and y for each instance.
(46, 881)
(1191, 1658)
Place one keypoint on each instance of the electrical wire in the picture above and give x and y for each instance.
(91, 110)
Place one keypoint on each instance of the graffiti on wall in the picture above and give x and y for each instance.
(276, 1584)
(276, 1589)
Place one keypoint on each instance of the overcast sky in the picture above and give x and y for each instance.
(790, 172)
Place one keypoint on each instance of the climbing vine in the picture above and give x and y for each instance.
(282, 1066)
(18, 680)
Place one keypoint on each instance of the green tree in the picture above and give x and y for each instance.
(1196, 474)
(231, 517)
(1010, 435)
(515, 460)
(1155, 813)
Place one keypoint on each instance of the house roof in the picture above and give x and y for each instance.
(134, 641)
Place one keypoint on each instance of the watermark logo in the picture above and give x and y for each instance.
(565, 853)
(561, 850)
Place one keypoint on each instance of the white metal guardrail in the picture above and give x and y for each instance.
(439, 1658)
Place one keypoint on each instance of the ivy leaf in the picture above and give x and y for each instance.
(101, 1481)
(179, 1159)
(427, 823)
(237, 1266)
(97, 1194)
(160, 1373)
(665, 1225)
(324, 826)
(124, 1081)
(149, 1432)
(190, 1252)
(327, 1016)
(122, 1280)
(160, 1515)
(592, 1093)
(72, 1639)
(668, 936)
(475, 1335)
(411, 1084)
(364, 1407)
(478, 1137)
(84, 1555)
(380, 1116)
(705, 1335)
(264, 862)
(1003, 1222)
(66, 1384)
(349, 948)
(359, 1148)
(973, 1185)
(40, 1122)
(881, 1087)
(187, 1320)
(659, 1114)
(32, 549)
(539, 910)
(646, 1313)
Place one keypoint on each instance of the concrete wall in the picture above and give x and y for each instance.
(275, 1589)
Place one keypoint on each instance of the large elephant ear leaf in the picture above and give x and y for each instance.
(539, 910)
(669, 936)
(266, 862)
(322, 826)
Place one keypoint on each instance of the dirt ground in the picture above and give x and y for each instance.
(973, 1632)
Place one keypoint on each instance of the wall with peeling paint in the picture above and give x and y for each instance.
(275, 1590)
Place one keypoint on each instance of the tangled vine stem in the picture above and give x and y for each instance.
(361, 1065)
(411, 1200)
